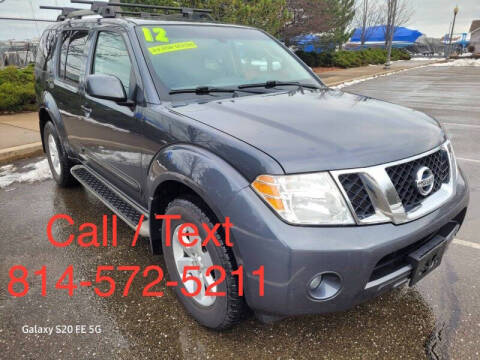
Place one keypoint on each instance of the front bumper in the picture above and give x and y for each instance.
(292, 255)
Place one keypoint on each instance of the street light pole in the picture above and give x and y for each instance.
(455, 12)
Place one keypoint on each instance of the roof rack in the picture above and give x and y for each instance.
(69, 12)
(110, 10)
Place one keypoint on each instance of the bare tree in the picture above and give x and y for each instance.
(402, 15)
(390, 28)
(308, 16)
(367, 15)
(329, 19)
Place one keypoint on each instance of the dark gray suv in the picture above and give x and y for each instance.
(333, 198)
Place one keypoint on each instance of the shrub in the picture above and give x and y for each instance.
(17, 91)
(347, 59)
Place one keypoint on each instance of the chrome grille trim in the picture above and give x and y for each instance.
(385, 199)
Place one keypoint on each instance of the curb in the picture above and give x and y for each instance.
(336, 83)
(20, 152)
(381, 73)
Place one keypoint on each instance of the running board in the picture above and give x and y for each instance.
(123, 208)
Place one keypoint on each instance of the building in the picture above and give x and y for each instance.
(17, 53)
(458, 42)
(475, 36)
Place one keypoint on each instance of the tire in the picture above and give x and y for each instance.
(59, 163)
(225, 311)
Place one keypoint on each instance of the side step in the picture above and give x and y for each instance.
(122, 207)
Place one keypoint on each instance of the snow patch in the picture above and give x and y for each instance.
(423, 59)
(29, 173)
(460, 62)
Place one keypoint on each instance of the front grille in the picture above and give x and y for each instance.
(403, 177)
(355, 190)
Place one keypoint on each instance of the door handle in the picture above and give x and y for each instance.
(86, 110)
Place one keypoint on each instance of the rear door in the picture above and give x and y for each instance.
(114, 142)
(67, 87)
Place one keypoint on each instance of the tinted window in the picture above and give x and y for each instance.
(63, 54)
(75, 58)
(111, 58)
(46, 49)
(72, 58)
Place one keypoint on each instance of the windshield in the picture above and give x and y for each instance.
(184, 56)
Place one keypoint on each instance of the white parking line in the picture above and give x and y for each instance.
(467, 243)
(471, 160)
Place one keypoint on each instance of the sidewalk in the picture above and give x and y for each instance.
(20, 135)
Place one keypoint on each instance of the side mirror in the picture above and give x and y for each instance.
(106, 87)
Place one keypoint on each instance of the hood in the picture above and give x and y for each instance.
(326, 130)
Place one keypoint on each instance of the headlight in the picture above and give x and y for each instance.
(312, 199)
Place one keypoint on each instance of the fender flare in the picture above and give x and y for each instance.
(208, 175)
(50, 106)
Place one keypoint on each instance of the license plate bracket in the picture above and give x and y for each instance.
(427, 258)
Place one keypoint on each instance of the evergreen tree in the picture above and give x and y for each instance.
(269, 15)
(343, 12)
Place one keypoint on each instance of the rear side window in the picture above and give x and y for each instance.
(111, 58)
(46, 48)
(72, 56)
(63, 54)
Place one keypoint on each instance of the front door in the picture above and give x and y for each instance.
(113, 145)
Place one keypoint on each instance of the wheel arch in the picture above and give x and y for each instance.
(49, 111)
(43, 118)
(188, 170)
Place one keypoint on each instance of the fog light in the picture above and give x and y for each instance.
(324, 286)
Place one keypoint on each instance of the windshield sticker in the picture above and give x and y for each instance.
(160, 34)
(162, 49)
(147, 34)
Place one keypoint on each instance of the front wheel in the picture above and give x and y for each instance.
(59, 163)
(188, 266)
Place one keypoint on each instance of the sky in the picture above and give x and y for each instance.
(431, 17)
(22, 30)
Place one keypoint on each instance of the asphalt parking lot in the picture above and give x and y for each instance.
(438, 319)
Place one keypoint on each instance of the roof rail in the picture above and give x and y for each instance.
(186, 12)
(110, 10)
(66, 11)
(75, 13)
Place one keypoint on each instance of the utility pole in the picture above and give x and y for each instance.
(392, 13)
(447, 53)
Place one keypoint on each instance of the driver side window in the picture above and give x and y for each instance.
(111, 58)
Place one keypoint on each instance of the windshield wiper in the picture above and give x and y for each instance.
(206, 90)
(274, 83)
